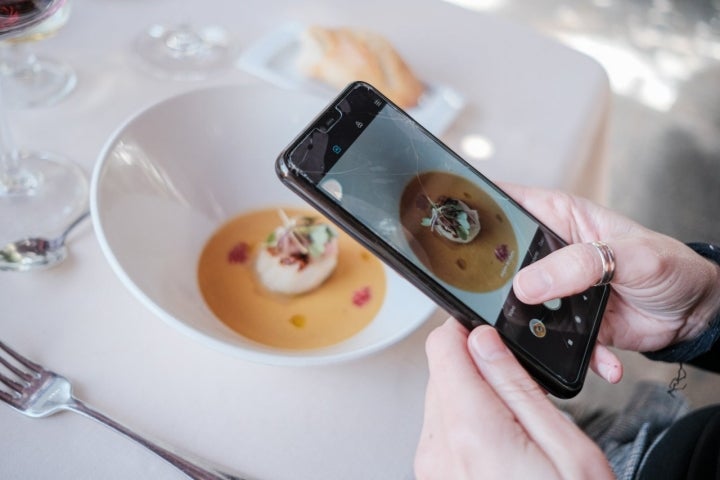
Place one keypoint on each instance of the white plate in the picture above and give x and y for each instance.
(175, 172)
(272, 58)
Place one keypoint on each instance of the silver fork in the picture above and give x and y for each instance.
(38, 392)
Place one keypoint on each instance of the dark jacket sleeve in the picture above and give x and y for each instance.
(703, 351)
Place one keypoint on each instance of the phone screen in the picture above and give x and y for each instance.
(445, 221)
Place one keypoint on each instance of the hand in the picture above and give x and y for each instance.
(485, 418)
(662, 291)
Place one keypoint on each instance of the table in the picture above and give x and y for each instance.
(543, 106)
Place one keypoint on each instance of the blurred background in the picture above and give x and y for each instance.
(663, 142)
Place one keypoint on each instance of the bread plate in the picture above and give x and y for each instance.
(273, 57)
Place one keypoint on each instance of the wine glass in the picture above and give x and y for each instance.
(30, 80)
(40, 192)
(185, 51)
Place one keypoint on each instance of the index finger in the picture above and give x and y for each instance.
(554, 208)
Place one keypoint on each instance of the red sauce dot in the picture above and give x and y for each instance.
(361, 297)
(239, 253)
(502, 253)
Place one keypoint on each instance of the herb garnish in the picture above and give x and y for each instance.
(453, 219)
(299, 239)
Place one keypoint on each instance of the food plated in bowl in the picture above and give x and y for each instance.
(303, 286)
(174, 176)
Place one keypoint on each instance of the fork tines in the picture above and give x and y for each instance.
(21, 376)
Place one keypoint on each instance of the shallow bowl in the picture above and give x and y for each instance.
(169, 177)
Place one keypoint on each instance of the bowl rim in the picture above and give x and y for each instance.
(274, 356)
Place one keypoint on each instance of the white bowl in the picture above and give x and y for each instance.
(174, 173)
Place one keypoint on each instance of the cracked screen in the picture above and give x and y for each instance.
(436, 212)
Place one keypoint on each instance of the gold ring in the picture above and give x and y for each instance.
(608, 262)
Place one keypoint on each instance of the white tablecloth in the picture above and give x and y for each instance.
(542, 105)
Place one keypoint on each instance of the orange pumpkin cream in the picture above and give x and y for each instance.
(337, 309)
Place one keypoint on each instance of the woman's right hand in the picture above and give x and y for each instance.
(662, 291)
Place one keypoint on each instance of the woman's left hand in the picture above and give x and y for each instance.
(485, 417)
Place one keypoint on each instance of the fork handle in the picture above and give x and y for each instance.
(195, 469)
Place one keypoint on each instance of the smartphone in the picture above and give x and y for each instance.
(398, 190)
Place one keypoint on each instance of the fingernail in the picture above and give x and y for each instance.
(609, 372)
(533, 282)
(487, 344)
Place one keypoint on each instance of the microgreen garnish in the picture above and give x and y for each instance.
(453, 219)
(300, 237)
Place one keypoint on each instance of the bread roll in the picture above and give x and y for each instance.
(340, 56)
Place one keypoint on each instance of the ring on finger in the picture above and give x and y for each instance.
(607, 256)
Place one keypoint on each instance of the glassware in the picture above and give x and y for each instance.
(185, 52)
(40, 192)
(18, 15)
(30, 80)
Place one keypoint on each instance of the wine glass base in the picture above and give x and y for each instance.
(56, 194)
(184, 52)
(41, 83)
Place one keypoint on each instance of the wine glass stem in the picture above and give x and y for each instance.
(14, 180)
(18, 61)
